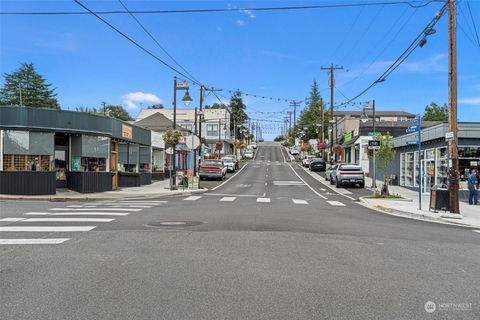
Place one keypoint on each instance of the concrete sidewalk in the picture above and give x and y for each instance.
(156, 189)
(408, 207)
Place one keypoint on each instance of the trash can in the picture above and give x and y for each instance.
(439, 199)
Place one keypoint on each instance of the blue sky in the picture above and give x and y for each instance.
(267, 53)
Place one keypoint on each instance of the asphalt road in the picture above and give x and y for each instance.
(271, 242)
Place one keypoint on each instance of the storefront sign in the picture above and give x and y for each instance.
(126, 132)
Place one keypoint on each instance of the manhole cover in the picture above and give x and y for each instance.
(175, 223)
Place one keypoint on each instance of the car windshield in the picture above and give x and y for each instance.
(227, 160)
(212, 163)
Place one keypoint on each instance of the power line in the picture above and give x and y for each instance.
(413, 4)
(420, 40)
(473, 22)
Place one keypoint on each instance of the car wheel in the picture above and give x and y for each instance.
(331, 181)
(337, 184)
(361, 185)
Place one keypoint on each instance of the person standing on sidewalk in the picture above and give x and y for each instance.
(472, 187)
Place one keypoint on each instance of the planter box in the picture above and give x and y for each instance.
(89, 182)
(145, 178)
(28, 182)
(158, 176)
(128, 179)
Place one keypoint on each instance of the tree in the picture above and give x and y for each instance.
(28, 88)
(117, 112)
(216, 105)
(113, 111)
(237, 108)
(434, 112)
(279, 138)
(310, 117)
(383, 157)
(156, 106)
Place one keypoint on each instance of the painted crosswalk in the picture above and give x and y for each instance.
(299, 201)
(336, 203)
(192, 198)
(74, 218)
(263, 200)
(228, 199)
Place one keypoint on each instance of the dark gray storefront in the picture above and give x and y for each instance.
(45, 149)
(434, 157)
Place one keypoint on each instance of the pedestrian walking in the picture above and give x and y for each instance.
(473, 187)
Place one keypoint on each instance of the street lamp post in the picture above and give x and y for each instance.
(364, 119)
(187, 100)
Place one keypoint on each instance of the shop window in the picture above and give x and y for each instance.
(128, 157)
(442, 165)
(145, 157)
(409, 169)
(89, 153)
(402, 169)
(468, 157)
(20, 162)
(158, 160)
(212, 129)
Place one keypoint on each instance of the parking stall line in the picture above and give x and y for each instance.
(33, 241)
(77, 213)
(47, 229)
(96, 209)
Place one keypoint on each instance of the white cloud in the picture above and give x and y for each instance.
(470, 101)
(249, 13)
(240, 22)
(130, 99)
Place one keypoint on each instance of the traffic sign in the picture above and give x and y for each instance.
(411, 129)
(449, 136)
(373, 145)
(412, 142)
(374, 134)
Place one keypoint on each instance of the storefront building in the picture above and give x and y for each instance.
(434, 156)
(45, 149)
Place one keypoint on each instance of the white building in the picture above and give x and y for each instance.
(215, 125)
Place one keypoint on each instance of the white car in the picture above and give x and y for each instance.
(229, 164)
(306, 161)
(249, 154)
(294, 152)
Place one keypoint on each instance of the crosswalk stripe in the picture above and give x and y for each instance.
(336, 203)
(112, 206)
(192, 198)
(96, 209)
(78, 213)
(33, 241)
(476, 231)
(46, 229)
(228, 199)
(299, 201)
(67, 220)
(264, 200)
(11, 219)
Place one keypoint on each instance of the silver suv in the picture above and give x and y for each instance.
(348, 174)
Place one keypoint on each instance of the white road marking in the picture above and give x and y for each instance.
(78, 213)
(336, 203)
(131, 206)
(264, 200)
(299, 201)
(47, 229)
(67, 220)
(229, 179)
(228, 199)
(229, 194)
(288, 183)
(192, 198)
(33, 241)
(96, 209)
(11, 219)
(323, 189)
(340, 191)
(476, 231)
(314, 191)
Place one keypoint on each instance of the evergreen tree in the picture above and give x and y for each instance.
(434, 112)
(113, 111)
(28, 88)
(311, 115)
(237, 107)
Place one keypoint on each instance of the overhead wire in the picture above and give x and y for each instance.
(473, 22)
(405, 54)
(413, 4)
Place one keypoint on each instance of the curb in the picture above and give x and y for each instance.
(101, 197)
(409, 215)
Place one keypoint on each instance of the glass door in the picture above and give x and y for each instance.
(61, 166)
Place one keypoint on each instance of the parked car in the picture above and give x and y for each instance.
(261, 140)
(317, 164)
(329, 171)
(294, 151)
(234, 158)
(249, 154)
(252, 146)
(306, 161)
(348, 174)
(212, 168)
(229, 163)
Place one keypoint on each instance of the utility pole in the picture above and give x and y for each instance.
(294, 104)
(332, 100)
(104, 110)
(20, 95)
(452, 100)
